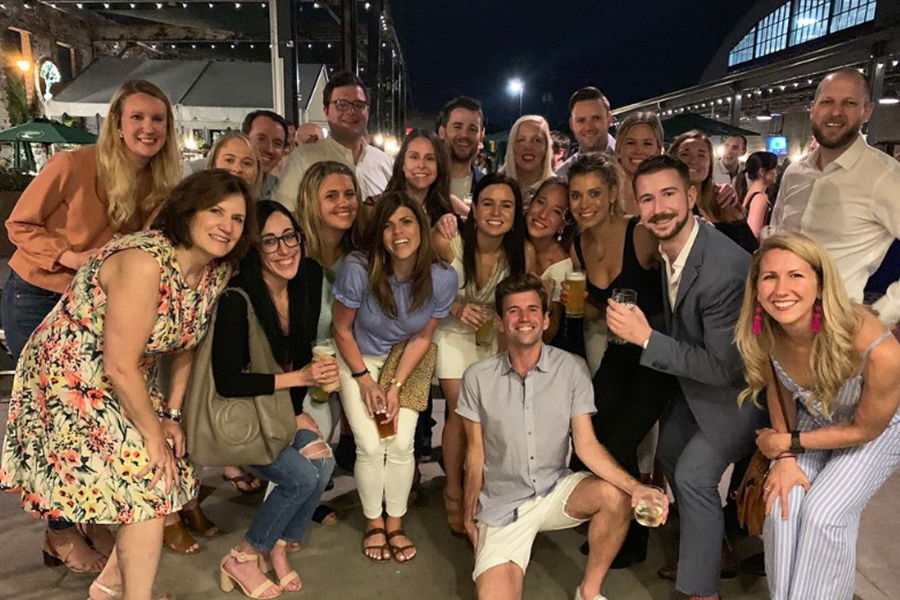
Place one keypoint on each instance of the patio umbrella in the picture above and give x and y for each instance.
(675, 126)
(42, 131)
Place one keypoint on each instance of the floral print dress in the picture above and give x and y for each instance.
(70, 449)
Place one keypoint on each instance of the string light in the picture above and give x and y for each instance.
(309, 46)
(237, 5)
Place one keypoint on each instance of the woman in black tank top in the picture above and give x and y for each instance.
(629, 397)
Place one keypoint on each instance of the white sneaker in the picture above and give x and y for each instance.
(578, 595)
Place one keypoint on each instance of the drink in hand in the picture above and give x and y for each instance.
(576, 281)
(484, 334)
(650, 507)
(628, 298)
(324, 349)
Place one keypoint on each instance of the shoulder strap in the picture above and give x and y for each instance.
(784, 415)
(865, 357)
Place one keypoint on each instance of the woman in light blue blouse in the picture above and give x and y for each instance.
(397, 293)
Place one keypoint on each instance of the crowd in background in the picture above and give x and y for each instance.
(313, 286)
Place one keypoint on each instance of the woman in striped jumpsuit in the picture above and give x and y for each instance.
(839, 373)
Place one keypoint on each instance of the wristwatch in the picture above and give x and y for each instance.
(397, 383)
(796, 446)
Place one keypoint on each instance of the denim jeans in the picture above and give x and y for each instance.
(299, 484)
(24, 306)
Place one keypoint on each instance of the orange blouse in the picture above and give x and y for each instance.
(63, 209)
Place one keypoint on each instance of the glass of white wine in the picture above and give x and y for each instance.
(651, 506)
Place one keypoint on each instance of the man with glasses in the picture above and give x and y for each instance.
(347, 112)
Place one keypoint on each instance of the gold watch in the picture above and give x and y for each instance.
(397, 383)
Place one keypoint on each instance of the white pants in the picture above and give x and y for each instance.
(384, 469)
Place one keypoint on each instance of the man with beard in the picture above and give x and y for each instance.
(462, 129)
(845, 194)
(346, 101)
(589, 120)
(703, 278)
(523, 405)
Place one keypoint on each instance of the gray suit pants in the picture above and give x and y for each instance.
(694, 468)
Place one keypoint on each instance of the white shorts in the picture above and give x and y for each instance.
(457, 351)
(513, 542)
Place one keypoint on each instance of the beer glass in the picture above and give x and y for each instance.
(484, 335)
(629, 299)
(650, 508)
(576, 281)
(324, 349)
(386, 429)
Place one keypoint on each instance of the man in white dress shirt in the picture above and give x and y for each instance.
(347, 112)
(845, 194)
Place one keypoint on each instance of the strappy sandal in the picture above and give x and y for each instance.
(177, 540)
(197, 522)
(112, 594)
(64, 551)
(227, 581)
(454, 516)
(99, 537)
(266, 566)
(380, 547)
(254, 484)
(399, 552)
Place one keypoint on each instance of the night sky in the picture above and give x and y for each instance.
(630, 49)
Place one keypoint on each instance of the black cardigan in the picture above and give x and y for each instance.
(231, 352)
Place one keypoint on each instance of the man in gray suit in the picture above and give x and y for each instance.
(703, 288)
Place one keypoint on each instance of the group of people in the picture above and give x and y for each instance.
(424, 267)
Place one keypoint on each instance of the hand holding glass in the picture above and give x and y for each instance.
(628, 298)
(324, 349)
(651, 506)
(575, 282)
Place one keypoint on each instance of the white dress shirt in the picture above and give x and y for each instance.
(675, 268)
(852, 207)
(373, 169)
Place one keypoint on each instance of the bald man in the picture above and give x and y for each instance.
(308, 133)
(844, 194)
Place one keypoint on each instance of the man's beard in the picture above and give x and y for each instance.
(844, 140)
(460, 158)
(679, 225)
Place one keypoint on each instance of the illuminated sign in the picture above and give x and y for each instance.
(45, 77)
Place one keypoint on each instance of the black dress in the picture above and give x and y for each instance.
(629, 397)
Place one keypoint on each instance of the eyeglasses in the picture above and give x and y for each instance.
(270, 243)
(345, 105)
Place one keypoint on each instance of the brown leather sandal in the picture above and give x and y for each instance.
(177, 540)
(399, 552)
(380, 547)
(71, 549)
(197, 522)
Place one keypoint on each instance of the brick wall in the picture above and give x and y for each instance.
(44, 28)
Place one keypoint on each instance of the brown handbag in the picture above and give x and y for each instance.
(750, 496)
(414, 393)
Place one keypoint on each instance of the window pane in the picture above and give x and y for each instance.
(850, 13)
(773, 31)
(811, 20)
(743, 51)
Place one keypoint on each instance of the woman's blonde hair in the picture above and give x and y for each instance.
(256, 187)
(833, 359)
(509, 163)
(131, 192)
(706, 191)
(644, 117)
(309, 216)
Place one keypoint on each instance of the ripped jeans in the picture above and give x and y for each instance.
(300, 473)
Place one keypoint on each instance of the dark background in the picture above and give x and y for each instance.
(630, 49)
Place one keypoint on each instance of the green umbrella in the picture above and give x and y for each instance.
(675, 126)
(42, 131)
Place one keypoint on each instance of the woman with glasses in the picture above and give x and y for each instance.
(275, 279)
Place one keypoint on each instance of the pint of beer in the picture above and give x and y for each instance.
(386, 429)
(484, 334)
(649, 510)
(576, 284)
(324, 349)
(627, 298)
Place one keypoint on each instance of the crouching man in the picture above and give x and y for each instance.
(520, 408)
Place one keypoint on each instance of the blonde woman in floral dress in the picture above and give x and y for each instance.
(90, 439)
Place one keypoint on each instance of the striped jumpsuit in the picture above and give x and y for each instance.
(812, 554)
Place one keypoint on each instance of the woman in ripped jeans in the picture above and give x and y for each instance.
(273, 277)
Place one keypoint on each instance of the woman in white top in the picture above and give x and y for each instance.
(550, 230)
(490, 246)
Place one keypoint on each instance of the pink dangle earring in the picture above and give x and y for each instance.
(817, 317)
(757, 321)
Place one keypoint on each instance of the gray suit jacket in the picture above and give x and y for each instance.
(700, 348)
